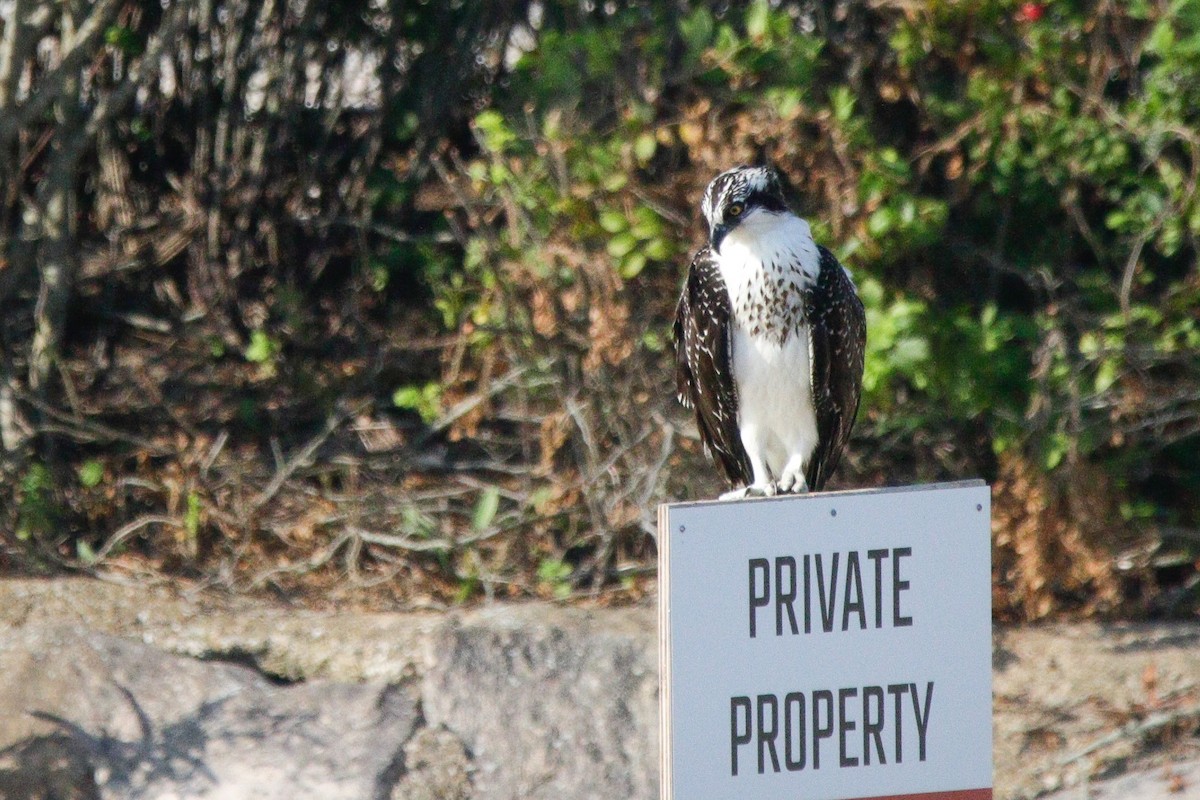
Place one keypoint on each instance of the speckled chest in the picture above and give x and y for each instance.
(768, 301)
(767, 272)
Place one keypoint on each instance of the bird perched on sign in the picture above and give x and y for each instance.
(769, 341)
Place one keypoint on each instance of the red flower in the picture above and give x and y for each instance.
(1031, 12)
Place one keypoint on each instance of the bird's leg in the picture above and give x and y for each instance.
(764, 481)
(767, 489)
(792, 481)
(756, 449)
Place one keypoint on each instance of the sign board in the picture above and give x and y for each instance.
(832, 645)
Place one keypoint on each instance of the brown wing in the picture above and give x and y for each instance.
(704, 365)
(838, 331)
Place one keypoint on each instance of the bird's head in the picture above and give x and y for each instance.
(740, 195)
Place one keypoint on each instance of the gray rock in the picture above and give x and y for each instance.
(1069, 699)
(436, 767)
(110, 691)
(1170, 781)
(154, 725)
(50, 767)
(510, 701)
(551, 703)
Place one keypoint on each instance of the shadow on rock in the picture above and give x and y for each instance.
(55, 767)
(174, 753)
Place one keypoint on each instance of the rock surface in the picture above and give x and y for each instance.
(152, 724)
(110, 691)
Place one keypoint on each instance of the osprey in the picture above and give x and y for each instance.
(769, 340)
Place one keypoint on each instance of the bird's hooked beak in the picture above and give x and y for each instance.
(717, 233)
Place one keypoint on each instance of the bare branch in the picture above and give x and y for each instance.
(1137, 730)
(10, 47)
(127, 530)
(288, 468)
(50, 87)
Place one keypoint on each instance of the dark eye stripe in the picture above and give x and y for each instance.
(766, 200)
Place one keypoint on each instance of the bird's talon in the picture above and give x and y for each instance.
(793, 483)
(753, 490)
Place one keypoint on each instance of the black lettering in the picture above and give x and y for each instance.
(922, 717)
(877, 556)
(821, 731)
(807, 595)
(853, 583)
(767, 735)
(759, 600)
(735, 737)
(897, 690)
(844, 727)
(827, 610)
(899, 586)
(785, 599)
(873, 729)
(795, 723)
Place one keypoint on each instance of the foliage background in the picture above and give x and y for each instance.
(369, 300)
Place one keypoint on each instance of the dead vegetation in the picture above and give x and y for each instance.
(348, 341)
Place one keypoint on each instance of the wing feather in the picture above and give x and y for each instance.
(704, 365)
(838, 337)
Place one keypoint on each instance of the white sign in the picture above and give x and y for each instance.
(833, 645)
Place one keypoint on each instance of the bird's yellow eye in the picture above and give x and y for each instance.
(735, 210)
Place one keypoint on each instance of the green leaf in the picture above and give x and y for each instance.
(658, 249)
(551, 569)
(1055, 450)
(615, 182)
(84, 552)
(881, 222)
(485, 509)
(644, 147)
(1106, 375)
(416, 523)
(697, 30)
(410, 397)
(653, 342)
(613, 221)
(558, 575)
(494, 131)
(466, 588)
(621, 245)
(646, 223)
(757, 17)
(632, 265)
(37, 512)
(425, 399)
(191, 517)
(842, 100)
(478, 171)
(91, 473)
(124, 39)
(262, 348)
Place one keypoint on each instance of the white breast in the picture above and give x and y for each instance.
(766, 262)
(775, 408)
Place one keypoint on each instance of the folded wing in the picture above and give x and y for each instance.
(704, 365)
